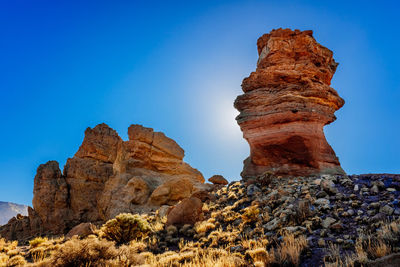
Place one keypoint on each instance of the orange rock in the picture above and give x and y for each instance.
(218, 179)
(106, 177)
(171, 192)
(188, 211)
(286, 103)
(81, 230)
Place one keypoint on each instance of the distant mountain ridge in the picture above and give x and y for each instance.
(9, 210)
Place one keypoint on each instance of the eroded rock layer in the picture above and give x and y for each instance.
(106, 177)
(285, 105)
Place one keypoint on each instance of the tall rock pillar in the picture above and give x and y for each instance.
(285, 105)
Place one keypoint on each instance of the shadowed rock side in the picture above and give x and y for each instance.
(285, 105)
(107, 176)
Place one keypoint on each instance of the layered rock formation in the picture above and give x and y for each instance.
(285, 105)
(107, 176)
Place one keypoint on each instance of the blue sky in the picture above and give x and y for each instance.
(177, 67)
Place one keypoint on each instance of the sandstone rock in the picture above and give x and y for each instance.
(106, 177)
(188, 211)
(81, 230)
(218, 179)
(171, 192)
(50, 197)
(286, 103)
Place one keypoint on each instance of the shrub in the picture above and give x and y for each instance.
(125, 227)
(16, 261)
(250, 214)
(289, 251)
(36, 242)
(89, 251)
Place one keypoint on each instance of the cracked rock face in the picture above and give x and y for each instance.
(285, 105)
(106, 177)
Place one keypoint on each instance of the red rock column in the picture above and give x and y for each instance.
(285, 105)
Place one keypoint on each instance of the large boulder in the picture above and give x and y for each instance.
(285, 105)
(188, 211)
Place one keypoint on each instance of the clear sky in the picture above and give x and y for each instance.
(177, 67)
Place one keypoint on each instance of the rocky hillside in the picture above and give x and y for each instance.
(9, 210)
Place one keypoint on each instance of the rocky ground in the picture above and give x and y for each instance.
(337, 215)
(321, 221)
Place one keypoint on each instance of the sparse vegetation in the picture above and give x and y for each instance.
(125, 227)
(268, 229)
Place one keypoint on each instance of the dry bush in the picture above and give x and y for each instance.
(76, 252)
(378, 249)
(250, 214)
(36, 242)
(6, 246)
(17, 260)
(204, 226)
(289, 251)
(261, 255)
(125, 227)
(195, 257)
(3, 259)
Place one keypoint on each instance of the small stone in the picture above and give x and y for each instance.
(350, 212)
(252, 189)
(387, 210)
(321, 242)
(374, 205)
(390, 189)
(374, 189)
(327, 222)
(356, 188)
(321, 194)
(338, 227)
(323, 233)
(272, 225)
(329, 187)
(322, 201)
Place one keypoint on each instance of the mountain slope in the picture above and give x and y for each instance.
(9, 210)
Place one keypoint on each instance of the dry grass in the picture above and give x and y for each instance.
(196, 257)
(289, 251)
(250, 214)
(204, 226)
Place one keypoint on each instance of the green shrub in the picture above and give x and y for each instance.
(125, 227)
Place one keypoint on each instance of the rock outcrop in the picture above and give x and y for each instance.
(106, 177)
(285, 105)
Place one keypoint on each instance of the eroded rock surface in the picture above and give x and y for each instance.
(285, 105)
(106, 177)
